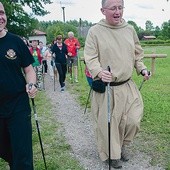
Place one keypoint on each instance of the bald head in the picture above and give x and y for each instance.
(1, 6)
(104, 2)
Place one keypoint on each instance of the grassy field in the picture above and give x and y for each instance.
(154, 137)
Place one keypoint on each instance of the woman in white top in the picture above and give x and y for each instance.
(48, 57)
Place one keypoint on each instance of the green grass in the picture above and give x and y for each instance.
(155, 127)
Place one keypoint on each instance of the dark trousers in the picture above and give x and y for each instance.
(16, 141)
(62, 70)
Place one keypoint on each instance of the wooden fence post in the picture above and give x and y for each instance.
(153, 60)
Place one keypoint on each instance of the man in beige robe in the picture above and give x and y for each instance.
(113, 42)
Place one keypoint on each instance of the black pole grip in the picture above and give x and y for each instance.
(108, 68)
(32, 99)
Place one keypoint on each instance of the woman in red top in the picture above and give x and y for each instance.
(72, 47)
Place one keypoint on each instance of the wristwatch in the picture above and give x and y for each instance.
(30, 85)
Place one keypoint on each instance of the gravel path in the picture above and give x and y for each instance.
(79, 133)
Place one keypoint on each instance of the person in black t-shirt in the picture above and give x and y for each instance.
(60, 51)
(15, 90)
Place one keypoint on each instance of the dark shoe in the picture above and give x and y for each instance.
(116, 163)
(124, 154)
(62, 89)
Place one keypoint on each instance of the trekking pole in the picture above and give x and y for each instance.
(37, 125)
(109, 115)
(39, 135)
(87, 100)
(79, 61)
(53, 72)
(71, 71)
(141, 84)
(43, 71)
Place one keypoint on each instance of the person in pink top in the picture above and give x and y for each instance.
(88, 76)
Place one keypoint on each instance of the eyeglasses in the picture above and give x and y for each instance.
(115, 8)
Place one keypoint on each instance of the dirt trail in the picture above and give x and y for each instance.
(78, 130)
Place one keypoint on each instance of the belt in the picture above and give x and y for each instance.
(118, 83)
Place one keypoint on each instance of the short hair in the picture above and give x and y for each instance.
(59, 37)
(70, 32)
(35, 40)
(104, 1)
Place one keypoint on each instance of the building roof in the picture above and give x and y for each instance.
(38, 33)
(149, 37)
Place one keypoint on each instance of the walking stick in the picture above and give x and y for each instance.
(54, 72)
(87, 100)
(141, 84)
(79, 61)
(109, 115)
(71, 71)
(39, 135)
(43, 71)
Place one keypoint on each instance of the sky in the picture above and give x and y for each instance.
(139, 11)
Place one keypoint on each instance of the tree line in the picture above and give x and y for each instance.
(23, 24)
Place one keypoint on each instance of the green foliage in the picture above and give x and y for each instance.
(54, 28)
(35, 5)
(166, 30)
(149, 26)
(134, 25)
(52, 32)
(82, 41)
(20, 22)
(156, 42)
(79, 23)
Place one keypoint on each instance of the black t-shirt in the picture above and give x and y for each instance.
(14, 55)
(60, 54)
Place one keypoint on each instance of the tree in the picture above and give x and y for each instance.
(134, 25)
(57, 27)
(35, 5)
(157, 31)
(20, 22)
(149, 26)
(166, 30)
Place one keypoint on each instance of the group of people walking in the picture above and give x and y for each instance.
(112, 50)
(61, 56)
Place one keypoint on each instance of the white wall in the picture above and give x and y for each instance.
(38, 37)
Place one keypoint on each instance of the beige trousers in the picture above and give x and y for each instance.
(126, 107)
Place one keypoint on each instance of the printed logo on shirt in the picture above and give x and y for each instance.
(11, 54)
